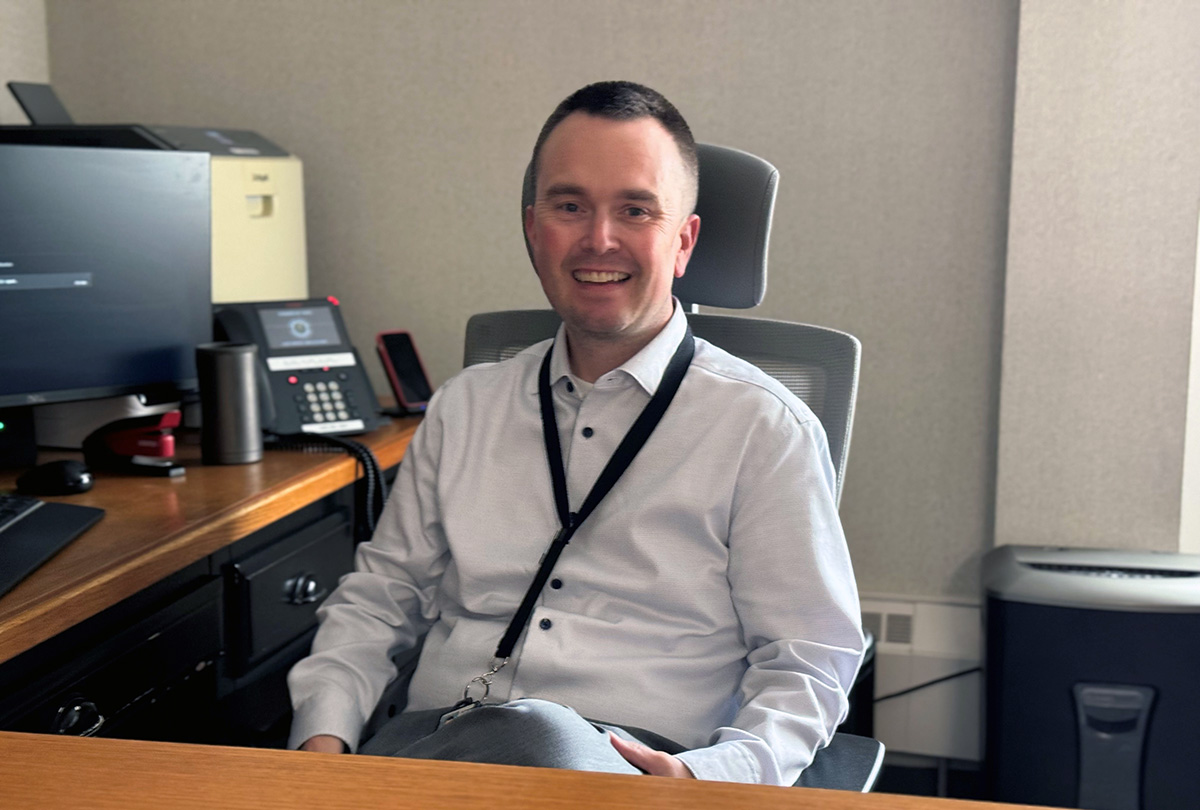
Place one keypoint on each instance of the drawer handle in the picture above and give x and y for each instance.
(78, 717)
(303, 590)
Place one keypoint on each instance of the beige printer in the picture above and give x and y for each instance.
(258, 243)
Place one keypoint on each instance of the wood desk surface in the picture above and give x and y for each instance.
(157, 526)
(40, 771)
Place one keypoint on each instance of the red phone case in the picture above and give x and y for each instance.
(393, 376)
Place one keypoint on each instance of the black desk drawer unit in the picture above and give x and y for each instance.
(274, 593)
(151, 681)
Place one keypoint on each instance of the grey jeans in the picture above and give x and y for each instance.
(527, 731)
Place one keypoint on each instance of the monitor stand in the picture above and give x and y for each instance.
(18, 448)
(66, 424)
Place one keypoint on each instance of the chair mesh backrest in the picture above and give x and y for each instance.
(496, 336)
(818, 365)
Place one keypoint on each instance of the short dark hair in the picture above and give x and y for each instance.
(620, 101)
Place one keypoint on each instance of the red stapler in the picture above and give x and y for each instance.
(144, 445)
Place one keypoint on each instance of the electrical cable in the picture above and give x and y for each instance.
(369, 489)
(920, 686)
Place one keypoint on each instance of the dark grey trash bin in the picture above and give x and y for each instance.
(1092, 664)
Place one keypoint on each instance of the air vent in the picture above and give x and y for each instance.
(899, 628)
(1113, 572)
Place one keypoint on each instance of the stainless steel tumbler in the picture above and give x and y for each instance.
(230, 431)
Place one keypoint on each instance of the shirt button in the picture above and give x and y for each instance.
(545, 624)
(556, 584)
(570, 387)
(588, 433)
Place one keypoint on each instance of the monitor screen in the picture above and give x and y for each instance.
(105, 271)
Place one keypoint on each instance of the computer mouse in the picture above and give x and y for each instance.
(66, 477)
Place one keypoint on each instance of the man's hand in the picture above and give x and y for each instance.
(655, 763)
(324, 744)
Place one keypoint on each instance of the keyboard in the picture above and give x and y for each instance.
(15, 507)
(32, 531)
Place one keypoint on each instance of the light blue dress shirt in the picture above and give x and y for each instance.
(709, 597)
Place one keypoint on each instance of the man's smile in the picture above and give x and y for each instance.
(599, 276)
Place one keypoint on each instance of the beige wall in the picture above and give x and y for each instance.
(890, 123)
(23, 55)
(1100, 317)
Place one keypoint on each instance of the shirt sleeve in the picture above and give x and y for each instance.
(796, 599)
(383, 607)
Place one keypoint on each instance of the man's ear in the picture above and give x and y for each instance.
(689, 232)
(527, 221)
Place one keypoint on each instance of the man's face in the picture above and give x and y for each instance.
(608, 229)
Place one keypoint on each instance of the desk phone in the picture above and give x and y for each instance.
(311, 379)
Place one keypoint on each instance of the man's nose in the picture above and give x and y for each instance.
(601, 234)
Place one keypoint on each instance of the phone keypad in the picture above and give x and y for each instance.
(326, 400)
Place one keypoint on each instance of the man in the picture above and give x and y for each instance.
(709, 597)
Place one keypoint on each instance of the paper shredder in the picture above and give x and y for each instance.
(1092, 668)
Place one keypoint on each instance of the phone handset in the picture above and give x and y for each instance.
(230, 325)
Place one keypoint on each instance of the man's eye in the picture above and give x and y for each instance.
(570, 207)
(636, 212)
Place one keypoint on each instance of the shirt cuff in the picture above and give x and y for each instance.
(730, 761)
(332, 711)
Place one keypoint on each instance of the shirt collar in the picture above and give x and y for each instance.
(646, 367)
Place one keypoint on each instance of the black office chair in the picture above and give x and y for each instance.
(729, 269)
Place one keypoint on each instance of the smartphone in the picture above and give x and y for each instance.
(404, 369)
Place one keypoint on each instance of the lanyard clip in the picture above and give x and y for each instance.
(484, 680)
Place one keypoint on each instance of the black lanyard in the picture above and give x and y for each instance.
(621, 459)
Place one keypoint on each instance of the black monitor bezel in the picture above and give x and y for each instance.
(192, 162)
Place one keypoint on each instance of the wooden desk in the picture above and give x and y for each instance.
(157, 526)
(40, 771)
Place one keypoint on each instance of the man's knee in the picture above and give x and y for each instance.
(538, 719)
(524, 732)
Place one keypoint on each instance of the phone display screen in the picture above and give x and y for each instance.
(299, 328)
(402, 356)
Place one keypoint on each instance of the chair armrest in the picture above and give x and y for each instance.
(849, 762)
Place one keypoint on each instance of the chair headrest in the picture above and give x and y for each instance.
(728, 267)
(736, 202)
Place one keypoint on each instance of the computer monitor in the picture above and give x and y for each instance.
(105, 271)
